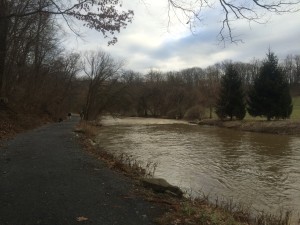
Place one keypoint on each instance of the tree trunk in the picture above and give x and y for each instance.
(210, 112)
(3, 43)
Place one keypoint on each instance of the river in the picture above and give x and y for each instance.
(252, 168)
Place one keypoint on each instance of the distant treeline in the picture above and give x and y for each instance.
(190, 93)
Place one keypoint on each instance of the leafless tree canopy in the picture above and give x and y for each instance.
(246, 10)
(104, 16)
(103, 73)
(27, 19)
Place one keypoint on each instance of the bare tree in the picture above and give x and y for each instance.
(31, 47)
(102, 71)
(212, 86)
(297, 68)
(291, 67)
(4, 21)
(58, 93)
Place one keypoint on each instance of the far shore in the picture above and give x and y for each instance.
(281, 127)
(284, 127)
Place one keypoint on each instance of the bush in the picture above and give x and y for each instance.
(194, 113)
(172, 114)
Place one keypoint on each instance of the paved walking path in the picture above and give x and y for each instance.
(47, 179)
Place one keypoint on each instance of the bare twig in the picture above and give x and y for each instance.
(250, 11)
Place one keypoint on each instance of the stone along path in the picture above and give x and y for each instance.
(46, 178)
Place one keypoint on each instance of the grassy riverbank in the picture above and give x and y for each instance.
(262, 126)
(181, 211)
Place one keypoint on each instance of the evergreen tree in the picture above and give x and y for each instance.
(231, 101)
(270, 95)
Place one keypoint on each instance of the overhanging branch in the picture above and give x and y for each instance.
(249, 11)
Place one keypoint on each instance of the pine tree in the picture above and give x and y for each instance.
(270, 95)
(231, 101)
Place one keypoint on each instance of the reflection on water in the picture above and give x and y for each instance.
(260, 169)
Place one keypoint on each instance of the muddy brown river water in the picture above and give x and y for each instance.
(253, 168)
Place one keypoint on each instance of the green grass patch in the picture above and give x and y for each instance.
(296, 108)
(294, 116)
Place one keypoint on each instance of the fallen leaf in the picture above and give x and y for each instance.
(81, 219)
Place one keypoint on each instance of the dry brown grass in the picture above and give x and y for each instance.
(87, 128)
(195, 213)
(263, 126)
(202, 212)
(12, 123)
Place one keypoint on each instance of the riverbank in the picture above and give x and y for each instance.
(12, 123)
(180, 210)
(289, 127)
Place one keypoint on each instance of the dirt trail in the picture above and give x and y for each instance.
(46, 178)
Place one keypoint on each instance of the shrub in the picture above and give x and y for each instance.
(195, 112)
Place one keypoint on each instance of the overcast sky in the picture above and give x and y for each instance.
(149, 43)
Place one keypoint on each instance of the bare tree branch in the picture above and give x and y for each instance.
(104, 16)
(249, 11)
